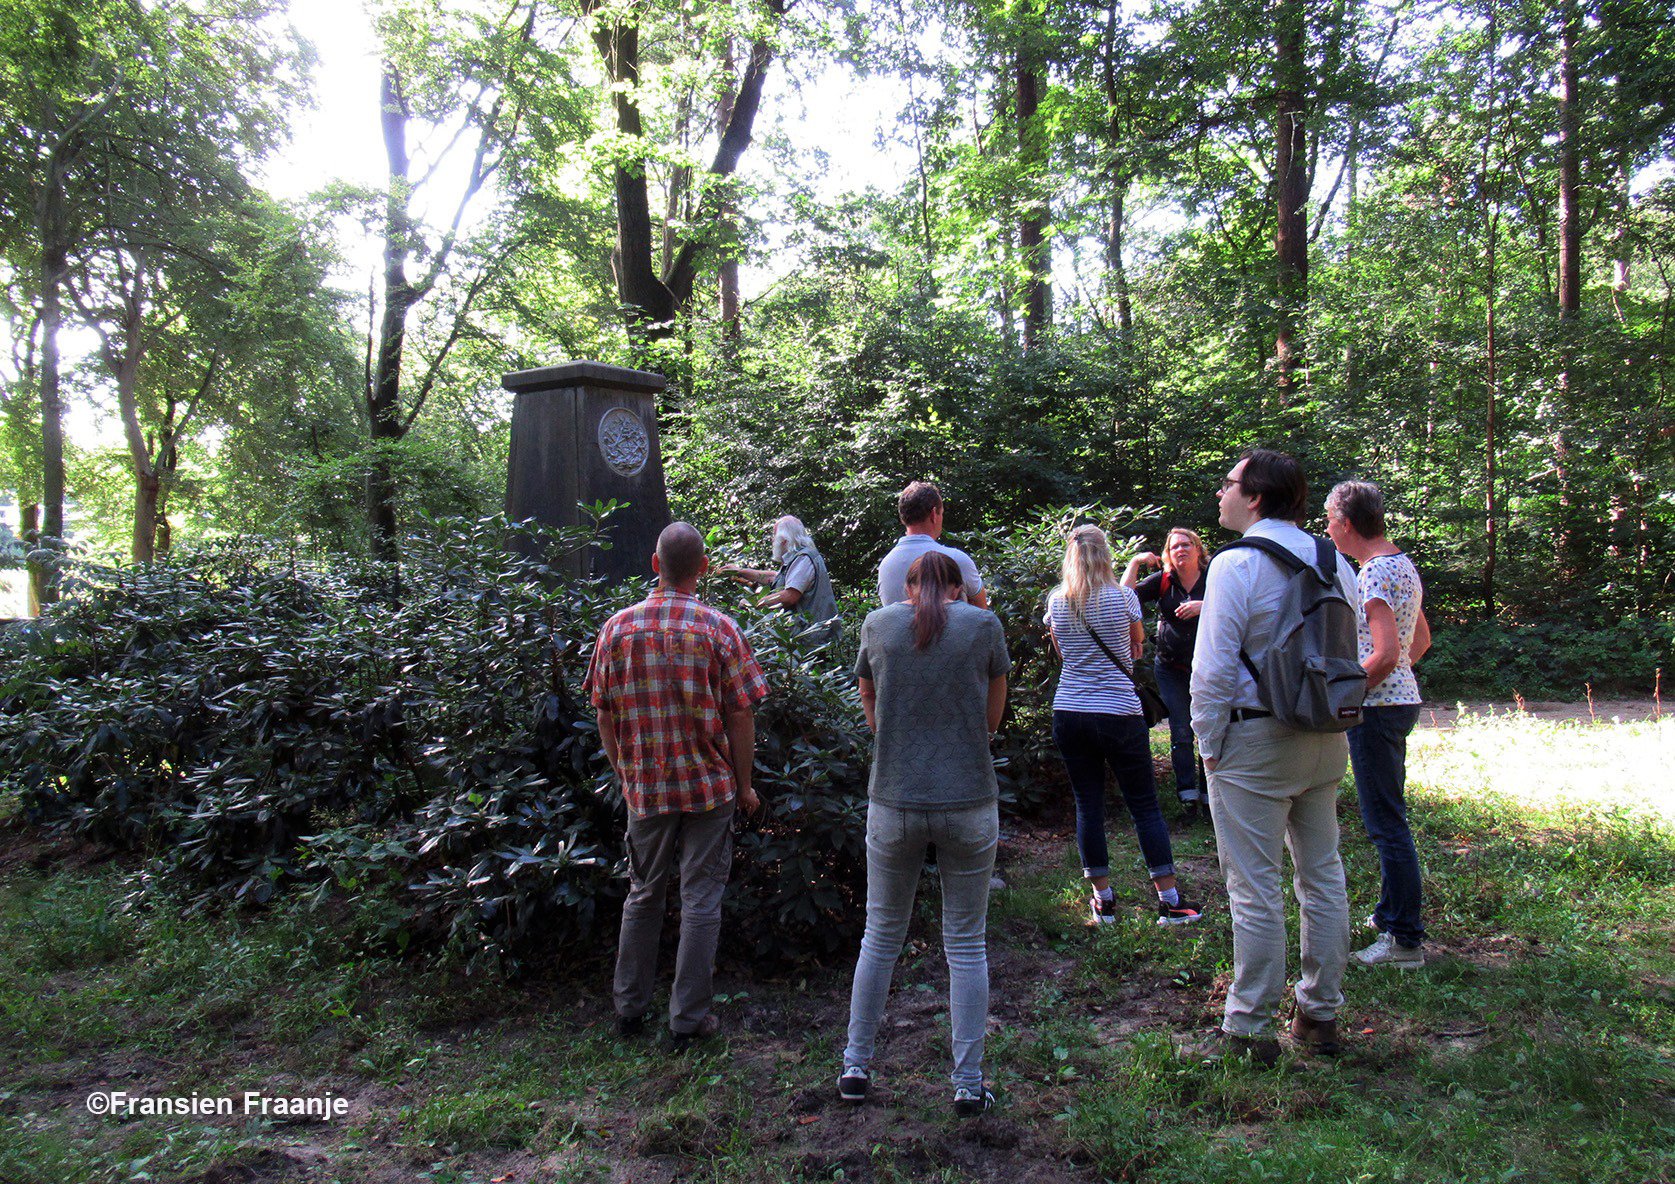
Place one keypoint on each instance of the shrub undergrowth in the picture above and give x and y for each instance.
(418, 741)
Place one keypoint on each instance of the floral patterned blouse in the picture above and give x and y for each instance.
(1394, 580)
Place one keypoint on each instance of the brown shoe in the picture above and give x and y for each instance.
(1316, 1036)
(1224, 1046)
(707, 1027)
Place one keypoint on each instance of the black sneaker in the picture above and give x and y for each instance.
(969, 1103)
(852, 1086)
(1104, 911)
(1184, 913)
(630, 1025)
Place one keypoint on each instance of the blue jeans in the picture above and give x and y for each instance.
(1090, 740)
(1174, 686)
(965, 858)
(1378, 750)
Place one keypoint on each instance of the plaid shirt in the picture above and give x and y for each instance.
(669, 669)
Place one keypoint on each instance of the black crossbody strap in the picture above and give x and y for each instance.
(1099, 641)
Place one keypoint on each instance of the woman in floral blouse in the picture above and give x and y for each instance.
(1393, 635)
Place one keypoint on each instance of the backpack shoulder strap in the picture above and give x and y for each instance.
(1268, 546)
(1326, 559)
(1287, 560)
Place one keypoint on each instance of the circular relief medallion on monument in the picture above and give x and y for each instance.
(623, 441)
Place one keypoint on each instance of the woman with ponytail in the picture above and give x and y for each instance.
(1097, 721)
(932, 671)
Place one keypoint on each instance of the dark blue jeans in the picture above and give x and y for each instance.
(1090, 740)
(1378, 751)
(1174, 686)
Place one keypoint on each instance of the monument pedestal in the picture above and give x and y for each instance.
(586, 432)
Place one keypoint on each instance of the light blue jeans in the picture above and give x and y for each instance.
(965, 857)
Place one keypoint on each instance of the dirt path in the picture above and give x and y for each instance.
(1446, 714)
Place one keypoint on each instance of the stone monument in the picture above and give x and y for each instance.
(586, 432)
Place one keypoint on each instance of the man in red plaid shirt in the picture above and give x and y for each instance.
(675, 686)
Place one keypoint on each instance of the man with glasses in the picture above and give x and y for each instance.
(1271, 786)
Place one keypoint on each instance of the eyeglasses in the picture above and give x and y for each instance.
(1227, 483)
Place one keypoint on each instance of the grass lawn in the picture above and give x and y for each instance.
(1537, 1045)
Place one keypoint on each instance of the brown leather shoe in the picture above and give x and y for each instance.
(1316, 1036)
(707, 1027)
(1224, 1046)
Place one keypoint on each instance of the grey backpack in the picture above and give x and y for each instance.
(1311, 676)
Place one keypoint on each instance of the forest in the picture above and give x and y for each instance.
(1431, 244)
(300, 788)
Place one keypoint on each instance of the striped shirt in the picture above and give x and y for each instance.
(670, 669)
(1090, 681)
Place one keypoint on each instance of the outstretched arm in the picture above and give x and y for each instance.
(752, 575)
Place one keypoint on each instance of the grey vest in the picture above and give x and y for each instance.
(819, 603)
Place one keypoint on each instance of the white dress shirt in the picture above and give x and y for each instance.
(1242, 597)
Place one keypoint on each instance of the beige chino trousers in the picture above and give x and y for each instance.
(1275, 788)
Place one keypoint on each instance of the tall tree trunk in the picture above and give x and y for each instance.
(646, 299)
(168, 463)
(1118, 179)
(1114, 231)
(1291, 184)
(1032, 222)
(1620, 248)
(43, 581)
(728, 268)
(1570, 534)
(124, 352)
(383, 391)
(1570, 216)
(1491, 377)
(29, 523)
(652, 300)
(148, 488)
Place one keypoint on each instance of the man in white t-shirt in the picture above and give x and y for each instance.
(1272, 787)
(920, 509)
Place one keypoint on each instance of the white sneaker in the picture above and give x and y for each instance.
(1387, 951)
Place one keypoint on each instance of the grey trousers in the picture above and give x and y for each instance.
(966, 840)
(705, 845)
(1276, 788)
